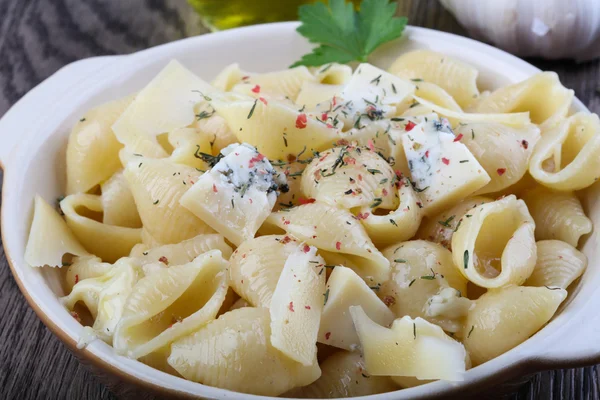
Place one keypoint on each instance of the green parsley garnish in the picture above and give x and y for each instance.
(344, 35)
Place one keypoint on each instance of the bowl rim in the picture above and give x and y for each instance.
(503, 367)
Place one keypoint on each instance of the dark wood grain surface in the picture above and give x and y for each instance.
(37, 37)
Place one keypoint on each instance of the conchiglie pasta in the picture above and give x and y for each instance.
(338, 232)
(455, 77)
(398, 225)
(109, 242)
(50, 238)
(503, 151)
(410, 347)
(182, 252)
(118, 206)
(344, 375)
(419, 270)
(256, 265)
(93, 148)
(157, 186)
(250, 364)
(171, 303)
(85, 267)
(350, 177)
(558, 264)
(504, 318)
(557, 215)
(188, 143)
(275, 129)
(566, 156)
(542, 95)
(215, 127)
(496, 246)
(440, 228)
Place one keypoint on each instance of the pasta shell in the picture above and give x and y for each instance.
(275, 129)
(118, 206)
(542, 95)
(397, 226)
(226, 353)
(105, 296)
(336, 231)
(109, 242)
(350, 177)
(565, 157)
(345, 289)
(215, 127)
(188, 143)
(455, 77)
(157, 186)
(93, 149)
(420, 270)
(440, 228)
(558, 264)
(496, 246)
(344, 375)
(85, 267)
(296, 305)
(504, 318)
(256, 265)
(50, 238)
(171, 303)
(409, 348)
(557, 215)
(503, 151)
(182, 252)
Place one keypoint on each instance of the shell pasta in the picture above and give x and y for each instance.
(321, 231)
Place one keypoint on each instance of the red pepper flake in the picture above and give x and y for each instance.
(460, 136)
(359, 177)
(307, 307)
(244, 255)
(427, 154)
(255, 159)
(334, 101)
(256, 89)
(215, 188)
(525, 144)
(303, 201)
(384, 191)
(338, 245)
(342, 142)
(501, 171)
(350, 160)
(76, 316)
(76, 279)
(285, 240)
(445, 160)
(291, 306)
(371, 146)
(306, 248)
(324, 116)
(164, 260)
(245, 78)
(389, 300)
(250, 200)
(409, 127)
(329, 126)
(301, 121)
(286, 222)
(327, 335)
(291, 158)
(263, 100)
(362, 216)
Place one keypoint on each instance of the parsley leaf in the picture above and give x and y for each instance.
(344, 35)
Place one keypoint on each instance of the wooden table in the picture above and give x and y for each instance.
(37, 37)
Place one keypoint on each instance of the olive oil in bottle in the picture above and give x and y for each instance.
(225, 14)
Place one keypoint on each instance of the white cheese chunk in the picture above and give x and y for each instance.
(442, 169)
(296, 305)
(237, 194)
(345, 289)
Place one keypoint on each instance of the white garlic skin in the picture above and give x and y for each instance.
(551, 29)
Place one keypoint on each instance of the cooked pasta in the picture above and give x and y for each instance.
(321, 232)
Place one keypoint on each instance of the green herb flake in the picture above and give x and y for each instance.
(471, 331)
(374, 171)
(252, 109)
(400, 260)
(326, 295)
(393, 222)
(156, 202)
(466, 259)
(446, 223)
(411, 282)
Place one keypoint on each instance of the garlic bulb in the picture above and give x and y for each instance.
(545, 28)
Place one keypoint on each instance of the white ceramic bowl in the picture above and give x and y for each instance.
(33, 137)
